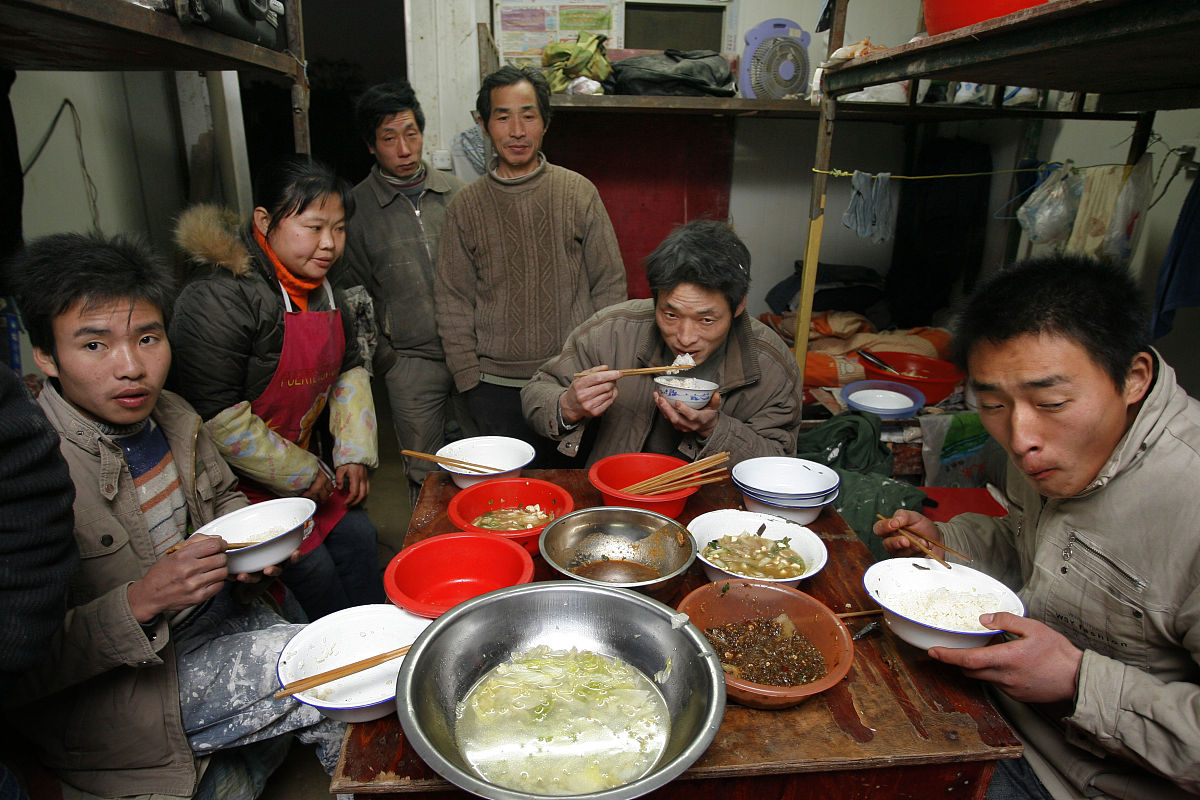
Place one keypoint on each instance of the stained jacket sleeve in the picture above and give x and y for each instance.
(454, 293)
(254, 450)
(352, 420)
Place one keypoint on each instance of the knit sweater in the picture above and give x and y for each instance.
(522, 263)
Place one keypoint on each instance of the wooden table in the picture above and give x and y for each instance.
(899, 725)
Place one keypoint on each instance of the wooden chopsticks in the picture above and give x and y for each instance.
(454, 462)
(228, 545)
(304, 684)
(688, 481)
(697, 473)
(920, 541)
(852, 614)
(643, 370)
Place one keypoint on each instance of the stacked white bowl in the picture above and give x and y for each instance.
(792, 488)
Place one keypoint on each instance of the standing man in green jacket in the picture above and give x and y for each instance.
(527, 254)
(392, 251)
(1101, 677)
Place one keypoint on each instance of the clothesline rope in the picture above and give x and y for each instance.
(841, 173)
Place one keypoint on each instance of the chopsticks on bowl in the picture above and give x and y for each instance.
(454, 462)
(304, 684)
(688, 481)
(228, 545)
(877, 361)
(920, 541)
(669, 368)
(697, 473)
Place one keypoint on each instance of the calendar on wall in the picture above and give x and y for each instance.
(523, 28)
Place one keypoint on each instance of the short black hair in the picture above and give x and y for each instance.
(287, 186)
(507, 76)
(705, 252)
(1094, 303)
(382, 101)
(55, 272)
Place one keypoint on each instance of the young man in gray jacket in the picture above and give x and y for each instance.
(392, 251)
(160, 664)
(1101, 678)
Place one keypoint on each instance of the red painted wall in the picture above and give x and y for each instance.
(653, 171)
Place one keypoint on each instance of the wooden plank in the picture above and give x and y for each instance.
(1075, 45)
(117, 35)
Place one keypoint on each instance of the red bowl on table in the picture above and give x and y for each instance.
(741, 599)
(933, 377)
(501, 493)
(610, 475)
(435, 574)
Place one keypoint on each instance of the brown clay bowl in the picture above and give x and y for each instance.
(711, 606)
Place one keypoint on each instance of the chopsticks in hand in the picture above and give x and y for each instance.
(304, 684)
(228, 545)
(669, 368)
(920, 541)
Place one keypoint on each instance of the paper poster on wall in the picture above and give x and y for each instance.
(523, 28)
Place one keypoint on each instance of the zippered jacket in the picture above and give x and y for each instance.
(759, 380)
(108, 719)
(1115, 569)
(392, 251)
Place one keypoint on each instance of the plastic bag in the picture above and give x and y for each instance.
(1121, 237)
(1049, 213)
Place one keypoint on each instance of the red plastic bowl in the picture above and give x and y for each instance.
(946, 15)
(500, 493)
(933, 377)
(609, 475)
(431, 576)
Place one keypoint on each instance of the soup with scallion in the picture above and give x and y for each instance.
(562, 722)
(752, 556)
(512, 519)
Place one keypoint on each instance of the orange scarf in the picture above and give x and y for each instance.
(297, 288)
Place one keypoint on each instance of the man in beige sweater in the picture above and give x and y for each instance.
(527, 253)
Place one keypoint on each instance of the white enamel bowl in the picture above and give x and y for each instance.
(791, 502)
(287, 519)
(730, 522)
(696, 397)
(344, 637)
(800, 515)
(783, 478)
(506, 454)
(897, 580)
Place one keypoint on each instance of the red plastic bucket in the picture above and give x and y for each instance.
(946, 15)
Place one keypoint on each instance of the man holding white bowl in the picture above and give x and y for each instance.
(1101, 678)
(699, 276)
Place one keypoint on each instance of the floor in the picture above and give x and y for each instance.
(301, 776)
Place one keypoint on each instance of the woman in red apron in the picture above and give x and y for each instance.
(261, 352)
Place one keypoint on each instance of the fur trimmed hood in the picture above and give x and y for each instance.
(211, 235)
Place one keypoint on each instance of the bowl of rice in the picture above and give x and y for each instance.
(929, 605)
(271, 529)
(692, 392)
(742, 544)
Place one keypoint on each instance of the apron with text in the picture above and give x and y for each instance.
(313, 347)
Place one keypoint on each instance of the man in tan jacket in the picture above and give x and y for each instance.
(1101, 677)
(159, 661)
